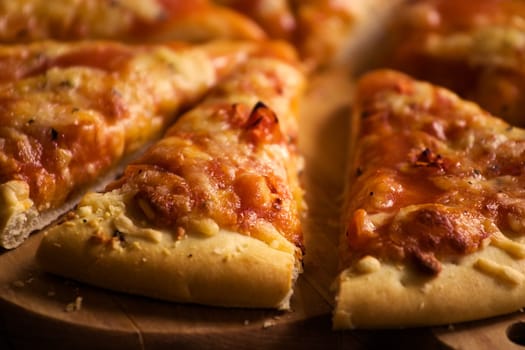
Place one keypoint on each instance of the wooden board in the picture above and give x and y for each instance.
(36, 309)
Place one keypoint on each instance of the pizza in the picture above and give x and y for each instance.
(209, 214)
(154, 146)
(276, 17)
(324, 32)
(71, 112)
(341, 32)
(136, 21)
(472, 47)
(432, 224)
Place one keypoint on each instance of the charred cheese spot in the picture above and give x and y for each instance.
(262, 125)
(427, 158)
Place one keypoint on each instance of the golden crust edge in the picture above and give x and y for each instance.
(227, 269)
(398, 297)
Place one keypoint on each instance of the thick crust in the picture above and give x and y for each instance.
(485, 284)
(224, 269)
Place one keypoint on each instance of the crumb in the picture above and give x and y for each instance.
(19, 284)
(51, 293)
(246, 322)
(451, 327)
(75, 305)
(269, 323)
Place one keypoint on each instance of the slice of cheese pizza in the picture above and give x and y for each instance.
(210, 214)
(71, 112)
(474, 47)
(324, 31)
(434, 209)
(340, 32)
(276, 17)
(125, 20)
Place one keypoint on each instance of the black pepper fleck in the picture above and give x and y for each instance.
(119, 235)
(54, 134)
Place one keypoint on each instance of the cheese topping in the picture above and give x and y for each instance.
(368, 264)
(501, 272)
(511, 247)
(489, 46)
(229, 164)
(68, 19)
(474, 47)
(71, 113)
(246, 188)
(445, 189)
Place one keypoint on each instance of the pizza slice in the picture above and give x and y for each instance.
(474, 47)
(125, 20)
(70, 113)
(340, 32)
(433, 228)
(276, 17)
(210, 214)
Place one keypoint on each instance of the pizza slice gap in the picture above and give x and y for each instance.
(73, 113)
(137, 21)
(433, 228)
(210, 214)
(471, 47)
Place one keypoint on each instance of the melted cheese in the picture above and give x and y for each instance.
(445, 190)
(368, 264)
(114, 111)
(473, 47)
(229, 164)
(511, 247)
(37, 19)
(499, 271)
(224, 166)
(498, 46)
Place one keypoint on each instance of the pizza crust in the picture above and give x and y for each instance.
(19, 217)
(222, 268)
(485, 284)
